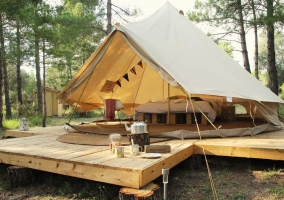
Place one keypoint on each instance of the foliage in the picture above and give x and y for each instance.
(228, 18)
(216, 13)
(11, 124)
(278, 191)
(271, 173)
(33, 122)
(70, 32)
(77, 32)
(26, 110)
(226, 46)
(222, 17)
(281, 94)
(37, 121)
(279, 51)
(281, 112)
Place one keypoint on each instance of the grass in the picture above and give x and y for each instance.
(278, 191)
(36, 120)
(270, 173)
(11, 124)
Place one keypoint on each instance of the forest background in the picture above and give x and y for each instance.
(56, 39)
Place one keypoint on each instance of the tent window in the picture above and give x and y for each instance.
(181, 118)
(240, 109)
(161, 118)
(148, 117)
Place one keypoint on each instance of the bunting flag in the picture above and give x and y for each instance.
(133, 70)
(110, 87)
(118, 82)
(107, 87)
(140, 63)
(126, 77)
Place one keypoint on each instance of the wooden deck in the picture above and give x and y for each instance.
(43, 152)
(264, 146)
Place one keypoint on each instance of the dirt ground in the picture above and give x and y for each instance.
(233, 179)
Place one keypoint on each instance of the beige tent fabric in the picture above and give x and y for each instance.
(172, 50)
(146, 85)
(235, 132)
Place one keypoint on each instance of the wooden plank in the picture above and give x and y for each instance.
(152, 172)
(188, 118)
(97, 157)
(80, 153)
(28, 140)
(249, 148)
(20, 134)
(203, 120)
(34, 148)
(129, 178)
(154, 118)
(172, 118)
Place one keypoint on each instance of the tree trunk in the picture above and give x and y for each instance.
(243, 36)
(109, 17)
(19, 79)
(19, 176)
(255, 40)
(149, 192)
(37, 64)
(271, 68)
(5, 75)
(1, 81)
(44, 90)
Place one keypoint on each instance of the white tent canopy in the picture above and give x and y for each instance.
(172, 50)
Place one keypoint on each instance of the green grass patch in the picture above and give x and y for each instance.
(278, 191)
(11, 123)
(270, 173)
(240, 196)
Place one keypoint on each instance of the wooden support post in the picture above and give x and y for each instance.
(192, 163)
(19, 176)
(203, 120)
(149, 192)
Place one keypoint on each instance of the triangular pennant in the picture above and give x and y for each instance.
(118, 82)
(110, 87)
(140, 63)
(133, 70)
(126, 77)
(106, 87)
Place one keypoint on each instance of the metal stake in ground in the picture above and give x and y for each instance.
(165, 173)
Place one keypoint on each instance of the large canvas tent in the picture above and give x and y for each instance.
(161, 56)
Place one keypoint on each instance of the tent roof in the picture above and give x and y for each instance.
(167, 43)
(195, 61)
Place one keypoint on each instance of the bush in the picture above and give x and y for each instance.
(281, 111)
(26, 110)
(11, 124)
(37, 120)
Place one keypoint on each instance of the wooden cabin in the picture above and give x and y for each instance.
(53, 107)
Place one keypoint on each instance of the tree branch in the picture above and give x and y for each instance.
(120, 16)
(125, 11)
